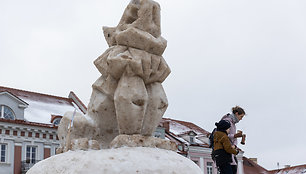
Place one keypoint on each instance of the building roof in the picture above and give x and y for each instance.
(28, 123)
(42, 106)
(250, 167)
(177, 129)
(13, 96)
(290, 170)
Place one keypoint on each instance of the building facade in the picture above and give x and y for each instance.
(28, 127)
(193, 142)
(25, 143)
(28, 132)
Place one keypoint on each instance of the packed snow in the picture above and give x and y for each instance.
(40, 112)
(180, 130)
(127, 160)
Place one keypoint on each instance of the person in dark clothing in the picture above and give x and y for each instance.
(223, 147)
(237, 114)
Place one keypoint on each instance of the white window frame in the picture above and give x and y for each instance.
(31, 152)
(209, 167)
(5, 153)
(2, 111)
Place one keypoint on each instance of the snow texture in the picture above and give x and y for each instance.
(127, 160)
(299, 170)
(179, 130)
(40, 111)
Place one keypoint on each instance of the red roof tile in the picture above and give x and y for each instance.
(290, 170)
(35, 95)
(250, 167)
(190, 125)
(22, 122)
(177, 128)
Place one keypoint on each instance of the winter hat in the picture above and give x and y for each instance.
(223, 125)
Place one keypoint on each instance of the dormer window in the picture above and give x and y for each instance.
(191, 136)
(56, 121)
(6, 112)
(191, 139)
(180, 147)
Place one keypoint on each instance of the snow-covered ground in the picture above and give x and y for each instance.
(127, 160)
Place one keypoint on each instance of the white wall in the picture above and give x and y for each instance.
(8, 166)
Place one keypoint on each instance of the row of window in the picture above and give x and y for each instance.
(6, 112)
(31, 152)
(30, 134)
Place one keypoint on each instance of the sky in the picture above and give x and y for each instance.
(221, 53)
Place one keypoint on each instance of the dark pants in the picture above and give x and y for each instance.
(234, 169)
(226, 169)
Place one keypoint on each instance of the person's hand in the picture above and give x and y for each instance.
(237, 148)
(239, 134)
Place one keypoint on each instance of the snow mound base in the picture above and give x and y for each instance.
(127, 160)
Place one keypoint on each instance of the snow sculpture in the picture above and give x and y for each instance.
(126, 105)
(133, 69)
(128, 98)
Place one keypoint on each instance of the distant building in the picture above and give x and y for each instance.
(250, 166)
(28, 126)
(290, 170)
(28, 134)
(193, 142)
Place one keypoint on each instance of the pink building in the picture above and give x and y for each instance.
(193, 142)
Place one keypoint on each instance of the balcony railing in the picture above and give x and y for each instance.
(27, 164)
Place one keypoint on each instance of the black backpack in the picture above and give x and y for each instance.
(211, 144)
(211, 139)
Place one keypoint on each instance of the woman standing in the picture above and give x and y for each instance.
(234, 117)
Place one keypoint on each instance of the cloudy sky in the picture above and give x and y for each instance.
(222, 53)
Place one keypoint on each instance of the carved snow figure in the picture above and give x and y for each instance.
(128, 98)
(126, 105)
(132, 72)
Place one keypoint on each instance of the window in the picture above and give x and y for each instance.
(3, 153)
(57, 121)
(31, 154)
(191, 139)
(180, 147)
(209, 168)
(157, 134)
(6, 112)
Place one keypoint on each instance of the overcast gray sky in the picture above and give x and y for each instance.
(222, 53)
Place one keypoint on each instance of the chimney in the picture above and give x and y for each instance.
(254, 160)
(166, 125)
(287, 166)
